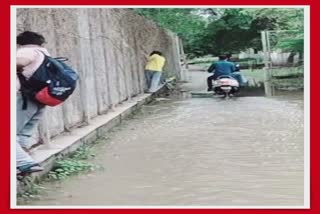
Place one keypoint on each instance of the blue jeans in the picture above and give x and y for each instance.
(240, 78)
(153, 80)
(27, 123)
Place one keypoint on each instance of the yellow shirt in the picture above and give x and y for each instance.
(155, 63)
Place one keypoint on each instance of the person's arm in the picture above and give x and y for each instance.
(233, 68)
(22, 62)
(211, 68)
(237, 67)
(24, 58)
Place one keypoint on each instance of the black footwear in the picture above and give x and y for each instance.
(29, 168)
(209, 89)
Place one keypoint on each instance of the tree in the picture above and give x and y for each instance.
(213, 31)
(188, 23)
(289, 22)
(239, 29)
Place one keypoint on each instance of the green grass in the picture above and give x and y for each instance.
(204, 65)
(292, 77)
(205, 59)
(296, 74)
(76, 163)
(258, 75)
(294, 71)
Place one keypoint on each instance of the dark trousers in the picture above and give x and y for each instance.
(209, 81)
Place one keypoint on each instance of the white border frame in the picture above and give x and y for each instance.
(13, 183)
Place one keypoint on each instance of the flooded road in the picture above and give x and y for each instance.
(197, 151)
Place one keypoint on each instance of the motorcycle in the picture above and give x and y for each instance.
(226, 85)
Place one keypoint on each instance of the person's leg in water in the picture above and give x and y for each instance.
(244, 80)
(240, 78)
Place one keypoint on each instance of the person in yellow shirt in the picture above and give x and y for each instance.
(153, 70)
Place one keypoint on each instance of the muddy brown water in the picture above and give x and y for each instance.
(197, 151)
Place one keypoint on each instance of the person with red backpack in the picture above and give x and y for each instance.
(29, 58)
(41, 80)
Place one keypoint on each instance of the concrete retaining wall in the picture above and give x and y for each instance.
(108, 47)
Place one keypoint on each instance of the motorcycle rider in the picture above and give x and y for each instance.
(229, 59)
(222, 67)
(236, 74)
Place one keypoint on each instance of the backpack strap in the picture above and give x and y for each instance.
(23, 81)
(61, 58)
(23, 89)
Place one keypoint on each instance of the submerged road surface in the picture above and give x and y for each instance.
(197, 151)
